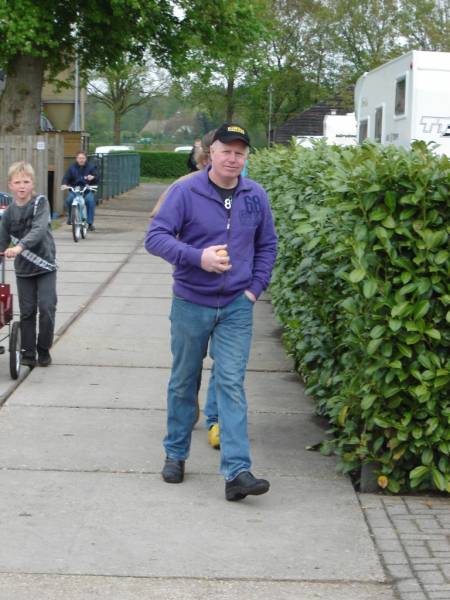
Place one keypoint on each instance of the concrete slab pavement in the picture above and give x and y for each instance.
(30, 587)
(83, 510)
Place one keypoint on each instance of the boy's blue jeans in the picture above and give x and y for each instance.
(229, 330)
(89, 200)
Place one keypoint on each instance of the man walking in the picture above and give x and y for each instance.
(217, 229)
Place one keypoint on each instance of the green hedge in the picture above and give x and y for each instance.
(163, 164)
(361, 286)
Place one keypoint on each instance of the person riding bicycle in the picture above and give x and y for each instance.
(81, 173)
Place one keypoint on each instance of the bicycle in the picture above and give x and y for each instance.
(78, 215)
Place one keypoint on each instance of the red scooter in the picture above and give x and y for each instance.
(8, 328)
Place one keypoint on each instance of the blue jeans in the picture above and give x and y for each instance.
(89, 200)
(210, 409)
(229, 331)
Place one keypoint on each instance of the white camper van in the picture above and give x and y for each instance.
(406, 99)
(338, 130)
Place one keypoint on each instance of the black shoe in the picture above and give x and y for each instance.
(28, 361)
(245, 484)
(91, 228)
(44, 358)
(173, 471)
(68, 222)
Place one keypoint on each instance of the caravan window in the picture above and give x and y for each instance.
(363, 130)
(400, 96)
(378, 123)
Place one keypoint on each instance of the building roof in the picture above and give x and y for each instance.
(154, 127)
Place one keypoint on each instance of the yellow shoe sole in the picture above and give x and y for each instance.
(214, 436)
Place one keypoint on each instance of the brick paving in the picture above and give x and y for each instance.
(412, 536)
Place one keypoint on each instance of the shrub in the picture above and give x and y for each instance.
(361, 286)
(163, 164)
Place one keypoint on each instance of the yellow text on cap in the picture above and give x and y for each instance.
(236, 130)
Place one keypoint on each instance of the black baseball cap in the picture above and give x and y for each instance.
(230, 132)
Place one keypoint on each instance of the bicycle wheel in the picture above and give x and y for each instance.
(15, 354)
(84, 225)
(76, 222)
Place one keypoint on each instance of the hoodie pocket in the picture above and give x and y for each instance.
(248, 220)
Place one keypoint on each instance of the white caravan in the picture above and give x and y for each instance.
(338, 130)
(406, 99)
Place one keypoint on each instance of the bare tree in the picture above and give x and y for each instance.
(126, 86)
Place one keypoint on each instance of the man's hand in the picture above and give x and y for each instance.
(64, 187)
(214, 263)
(250, 295)
(89, 177)
(14, 251)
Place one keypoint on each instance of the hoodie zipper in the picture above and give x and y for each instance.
(228, 203)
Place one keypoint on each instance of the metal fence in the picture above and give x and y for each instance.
(117, 173)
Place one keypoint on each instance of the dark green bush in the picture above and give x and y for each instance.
(163, 164)
(361, 287)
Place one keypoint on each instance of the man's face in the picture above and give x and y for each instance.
(228, 160)
(81, 159)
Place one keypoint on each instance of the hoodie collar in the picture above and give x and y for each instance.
(202, 184)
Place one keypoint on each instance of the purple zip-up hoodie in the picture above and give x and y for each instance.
(193, 217)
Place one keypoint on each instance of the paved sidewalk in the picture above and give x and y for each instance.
(413, 536)
(84, 513)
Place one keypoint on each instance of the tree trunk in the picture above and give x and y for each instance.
(20, 103)
(116, 131)
(229, 98)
